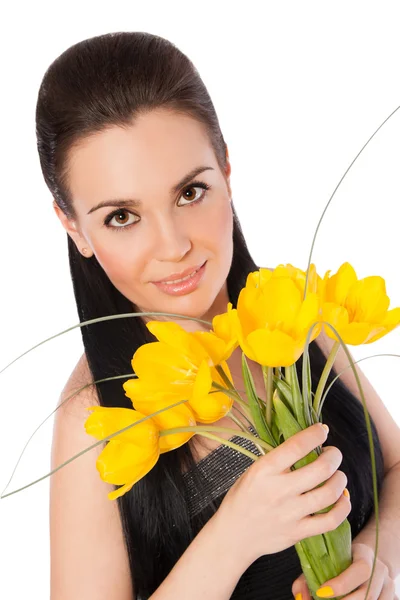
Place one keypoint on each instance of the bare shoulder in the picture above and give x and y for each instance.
(79, 378)
(88, 554)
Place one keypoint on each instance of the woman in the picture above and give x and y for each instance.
(123, 115)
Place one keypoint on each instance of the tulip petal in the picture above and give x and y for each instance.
(313, 282)
(367, 300)
(337, 316)
(212, 408)
(213, 346)
(243, 341)
(307, 315)
(258, 278)
(145, 389)
(392, 318)
(203, 382)
(175, 336)
(217, 377)
(121, 462)
(282, 302)
(338, 285)
(221, 324)
(105, 421)
(355, 333)
(120, 491)
(249, 310)
(264, 276)
(390, 322)
(208, 407)
(273, 348)
(180, 415)
(224, 326)
(168, 362)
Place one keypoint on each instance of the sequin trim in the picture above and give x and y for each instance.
(220, 469)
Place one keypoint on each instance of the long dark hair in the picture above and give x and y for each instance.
(107, 80)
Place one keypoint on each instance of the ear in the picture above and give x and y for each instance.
(228, 173)
(71, 228)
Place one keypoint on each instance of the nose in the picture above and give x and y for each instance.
(171, 241)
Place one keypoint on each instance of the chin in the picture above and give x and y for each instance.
(187, 306)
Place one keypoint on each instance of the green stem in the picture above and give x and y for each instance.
(324, 375)
(244, 428)
(107, 318)
(242, 415)
(257, 413)
(231, 445)
(269, 388)
(236, 420)
(206, 428)
(233, 393)
(225, 377)
(297, 398)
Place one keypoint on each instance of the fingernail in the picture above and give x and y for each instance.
(346, 492)
(298, 596)
(325, 592)
(326, 427)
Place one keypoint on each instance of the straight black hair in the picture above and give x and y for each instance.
(105, 81)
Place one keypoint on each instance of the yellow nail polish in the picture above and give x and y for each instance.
(325, 592)
(346, 492)
(298, 596)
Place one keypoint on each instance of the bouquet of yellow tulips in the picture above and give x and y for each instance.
(183, 379)
(278, 314)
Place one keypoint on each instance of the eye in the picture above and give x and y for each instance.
(120, 211)
(196, 184)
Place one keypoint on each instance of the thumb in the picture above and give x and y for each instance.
(300, 589)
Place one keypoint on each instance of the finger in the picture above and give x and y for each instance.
(374, 592)
(388, 590)
(311, 475)
(296, 447)
(316, 524)
(300, 589)
(352, 577)
(321, 497)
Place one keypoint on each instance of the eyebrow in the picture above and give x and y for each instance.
(137, 203)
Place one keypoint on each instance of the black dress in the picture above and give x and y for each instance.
(271, 576)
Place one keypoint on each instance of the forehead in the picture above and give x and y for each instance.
(146, 157)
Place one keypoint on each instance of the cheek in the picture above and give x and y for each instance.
(216, 228)
(120, 267)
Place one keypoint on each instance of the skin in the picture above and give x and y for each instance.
(143, 162)
(171, 233)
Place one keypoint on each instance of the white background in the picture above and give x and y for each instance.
(299, 87)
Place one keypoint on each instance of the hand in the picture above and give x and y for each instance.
(355, 578)
(280, 519)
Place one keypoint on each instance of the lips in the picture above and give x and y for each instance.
(174, 277)
(187, 285)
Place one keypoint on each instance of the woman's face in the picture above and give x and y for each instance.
(162, 228)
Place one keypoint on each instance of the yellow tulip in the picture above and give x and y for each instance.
(210, 407)
(357, 308)
(128, 456)
(224, 328)
(262, 276)
(273, 319)
(179, 416)
(171, 366)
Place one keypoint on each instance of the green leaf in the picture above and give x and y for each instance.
(256, 412)
(289, 427)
